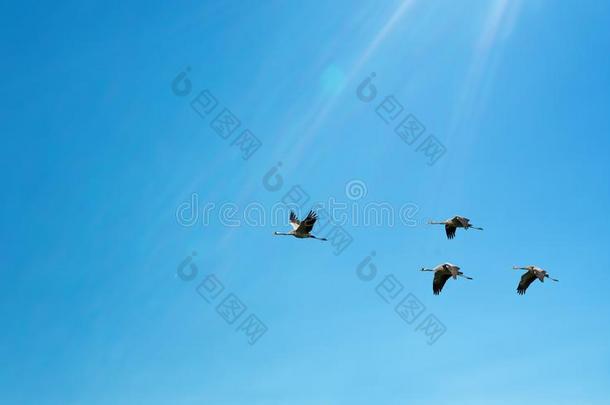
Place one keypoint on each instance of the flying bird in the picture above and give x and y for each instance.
(452, 224)
(301, 229)
(442, 273)
(528, 278)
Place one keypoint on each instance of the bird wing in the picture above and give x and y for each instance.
(294, 221)
(526, 279)
(462, 220)
(306, 225)
(440, 278)
(450, 231)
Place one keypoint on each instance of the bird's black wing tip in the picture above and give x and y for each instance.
(450, 231)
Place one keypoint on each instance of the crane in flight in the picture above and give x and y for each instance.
(301, 229)
(528, 278)
(442, 273)
(453, 223)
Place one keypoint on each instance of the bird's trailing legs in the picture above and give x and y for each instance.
(315, 237)
(547, 276)
(466, 277)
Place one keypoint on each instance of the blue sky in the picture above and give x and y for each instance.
(98, 153)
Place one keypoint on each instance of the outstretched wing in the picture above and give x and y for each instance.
(294, 221)
(450, 231)
(440, 278)
(526, 279)
(306, 225)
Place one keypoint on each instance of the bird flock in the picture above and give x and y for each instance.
(442, 272)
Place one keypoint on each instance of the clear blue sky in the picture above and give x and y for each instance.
(97, 153)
